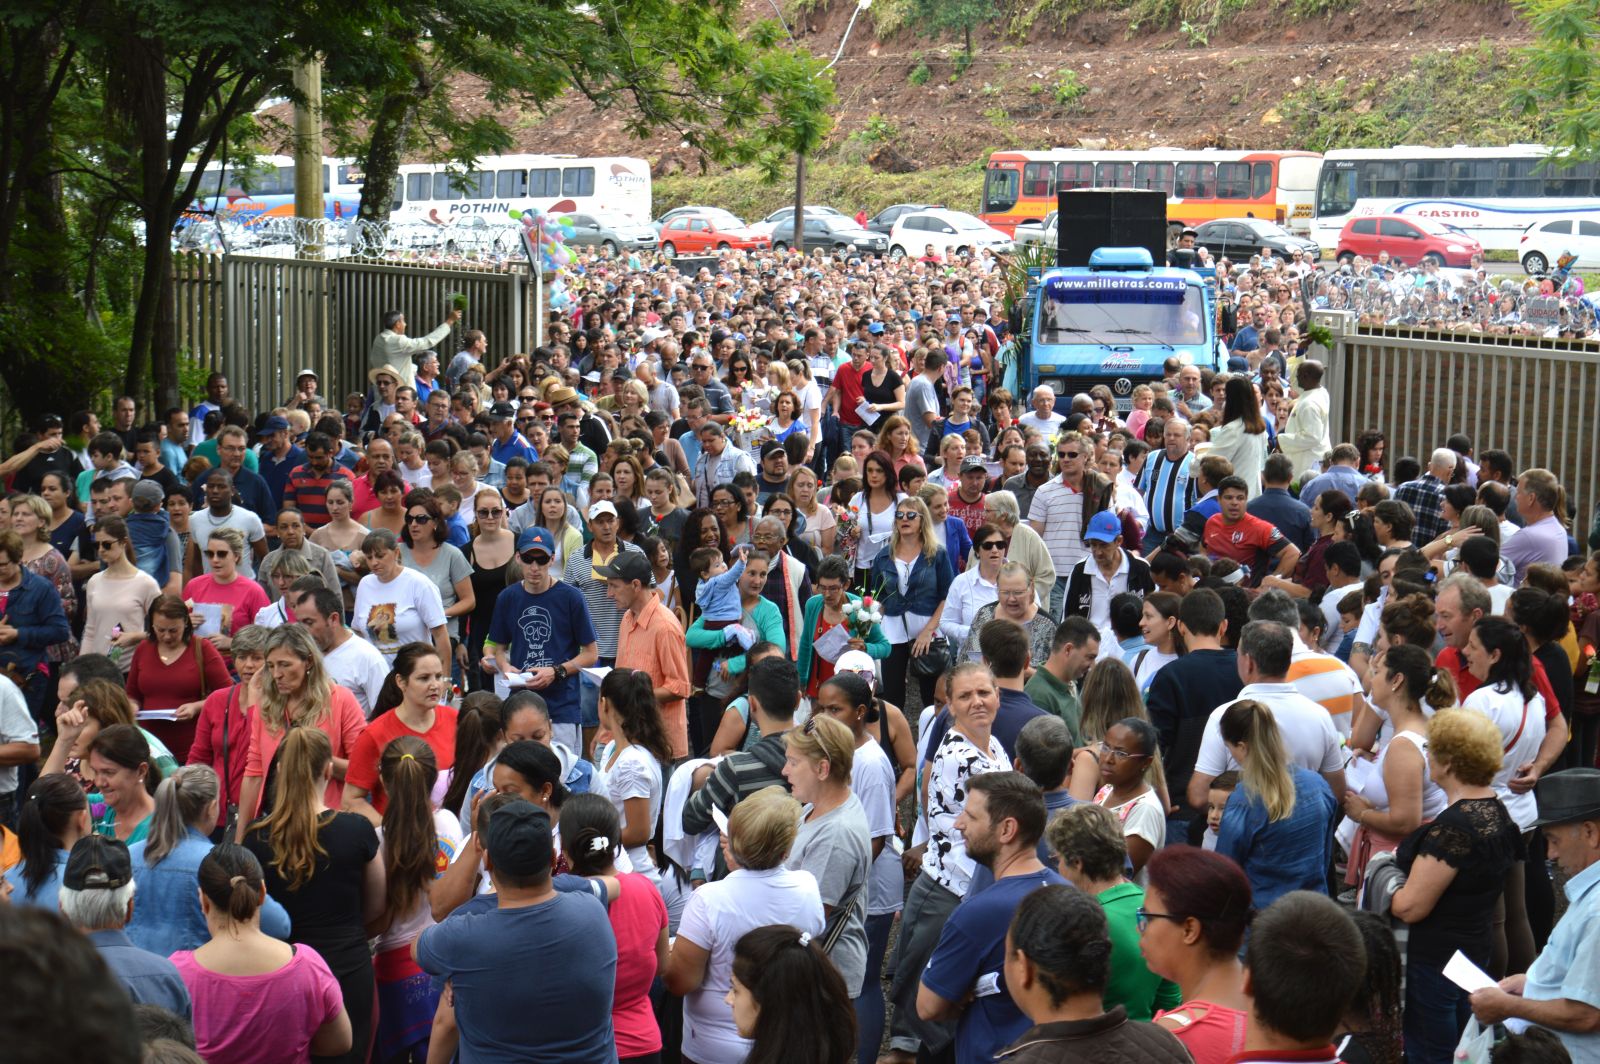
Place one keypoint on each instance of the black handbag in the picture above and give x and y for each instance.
(933, 662)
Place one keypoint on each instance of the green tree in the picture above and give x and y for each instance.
(1562, 80)
(940, 16)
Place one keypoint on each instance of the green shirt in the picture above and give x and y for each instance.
(1131, 984)
(1053, 696)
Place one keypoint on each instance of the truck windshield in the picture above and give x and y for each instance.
(1073, 321)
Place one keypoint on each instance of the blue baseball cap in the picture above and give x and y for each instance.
(876, 328)
(536, 537)
(1104, 527)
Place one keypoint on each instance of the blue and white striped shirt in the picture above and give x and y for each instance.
(1168, 490)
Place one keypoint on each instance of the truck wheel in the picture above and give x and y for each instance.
(780, 246)
(723, 246)
(897, 252)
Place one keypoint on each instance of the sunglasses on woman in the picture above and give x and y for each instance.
(907, 515)
(994, 544)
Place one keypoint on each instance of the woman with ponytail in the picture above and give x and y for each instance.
(1399, 795)
(1277, 822)
(789, 999)
(412, 705)
(630, 771)
(168, 917)
(54, 816)
(479, 735)
(324, 867)
(417, 842)
(256, 1000)
(593, 836)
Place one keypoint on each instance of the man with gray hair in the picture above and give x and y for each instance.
(392, 348)
(97, 898)
(1307, 732)
(1462, 601)
(1425, 495)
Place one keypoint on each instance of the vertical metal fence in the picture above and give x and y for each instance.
(1535, 399)
(197, 295)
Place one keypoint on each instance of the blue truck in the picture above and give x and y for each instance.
(1115, 322)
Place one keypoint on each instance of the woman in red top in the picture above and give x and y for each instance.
(1196, 909)
(222, 730)
(411, 703)
(238, 597)
(172, 670)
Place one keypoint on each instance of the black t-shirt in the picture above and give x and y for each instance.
(880, 393)
(1478, 838)
(166, 478)
(669, 528)
(325, 911)
(1559, 670)
(61, 460)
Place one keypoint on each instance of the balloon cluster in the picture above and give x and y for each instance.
(548, 235)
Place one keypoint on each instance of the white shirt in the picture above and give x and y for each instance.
(1522, 726)
(421, 477)
(715, 918)
(955, 762)
(1049, 425)
(1143, 818)
(358, 667)
(1307, 732)
(404, 610)
(969, 593)
(1102, 590)
(1057, 515)
(637, 774)
(203, 522)
(872, 782)
(875, 526)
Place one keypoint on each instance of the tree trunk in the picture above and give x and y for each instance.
(799, 235)
(391, 128)
(138, 85)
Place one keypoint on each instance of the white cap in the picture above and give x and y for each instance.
(307, 372)
(855, 661)
(602, 507)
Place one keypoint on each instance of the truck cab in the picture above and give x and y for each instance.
(1115, 322)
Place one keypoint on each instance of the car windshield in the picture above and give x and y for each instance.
(1076, 321)
(614, 221)
(1270, 229)
(965, 222)
(835, 224)
(1437, 228)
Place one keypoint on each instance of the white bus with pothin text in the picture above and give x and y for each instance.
(560, 184)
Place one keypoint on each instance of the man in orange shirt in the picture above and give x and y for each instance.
(650, 638)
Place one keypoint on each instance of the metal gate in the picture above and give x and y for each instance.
(1534, 398)
(285, 314)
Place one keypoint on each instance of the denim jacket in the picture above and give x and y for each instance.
(34, 609)
(166, 910)
(928, 587)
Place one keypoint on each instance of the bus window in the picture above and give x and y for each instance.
(1261, 179)
(1113, 175)
(1038, 180)
(1336, 192)
(419, 187)
(1569, 180)
(1157, 176)
(1233, 181)
(1380, 178)
(544, 184)
(351, 175)
(1075, 175)
(1197, 180)
(210, 184)
(1424, 178)
(577, 181)
(327, 178)
(480, 185)
(1472, 177)
(1520, 177)
(1000, 191)
(442, 188)
(511, 184)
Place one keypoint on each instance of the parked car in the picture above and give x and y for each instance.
(1239, 238)
(831, 232)
(884, 220)
(694, 234)
(613, 232)
(726, 219)
(1408, 240)
(1543, 243)
(1037, 231)
(945, 231)
(782, 215)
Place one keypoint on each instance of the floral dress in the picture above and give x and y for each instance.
(53, 567)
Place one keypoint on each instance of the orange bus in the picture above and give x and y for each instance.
(1200, 184)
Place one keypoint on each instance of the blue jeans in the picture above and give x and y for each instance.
(1436, 1011)
(870, 1011)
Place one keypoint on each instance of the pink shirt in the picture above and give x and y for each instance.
(261, 1019)
(638, 917)
(343, 726)
(240, 600)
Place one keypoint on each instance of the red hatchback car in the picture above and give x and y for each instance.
(1408, 240)
(694, 234)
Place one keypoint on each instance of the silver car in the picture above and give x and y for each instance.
(613, 232)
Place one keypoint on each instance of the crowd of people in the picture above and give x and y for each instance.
(756, 672)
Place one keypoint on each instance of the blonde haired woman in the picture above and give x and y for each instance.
(1109, 694)
(1027, 547)
(757, 892)
(912, 578)
(30, 520)
(293, 693)
(821, 526)
(835, 842)
(324, 868)
(1276, 823)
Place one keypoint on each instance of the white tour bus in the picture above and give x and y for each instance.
(1492, 194)
(501, 184)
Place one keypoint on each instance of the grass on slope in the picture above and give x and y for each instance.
(836, 184)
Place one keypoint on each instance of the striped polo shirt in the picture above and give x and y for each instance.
(308, 492)
(1168, 490)
(1327, 681)
(603, 611)
(1057, 514)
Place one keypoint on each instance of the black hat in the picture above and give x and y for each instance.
(97, 862)
(521, 842)
(1572, 794)
(628, 565)
(502, 411)
(771, 447)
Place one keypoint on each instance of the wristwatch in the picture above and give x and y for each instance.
(561, 672)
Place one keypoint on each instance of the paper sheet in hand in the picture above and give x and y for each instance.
(1466, 975)
(504, 685)
(1359, 773)
(865, 412)
(210, 619)
(158, 714)
(720, 819)
(832, 643)
(595, 674)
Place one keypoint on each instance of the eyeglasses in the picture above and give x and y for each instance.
(419, 519)
(721, 504)
(1069, 454)
(219, 554)
(533, 557)
(1118, 753)
(1143, 917)
(491, 513)
(995, 544)
(907, 515)
(786, 512)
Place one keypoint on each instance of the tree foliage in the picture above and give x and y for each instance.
(1561, 81)
(963, 16)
